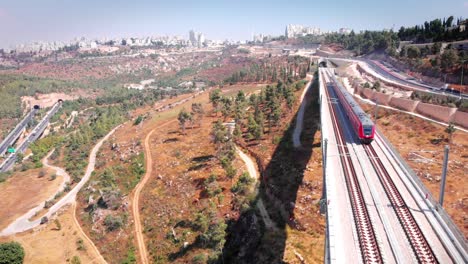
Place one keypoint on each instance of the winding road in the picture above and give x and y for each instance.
(136, 196)
(22, 223)
(300, 117)
(252, 169)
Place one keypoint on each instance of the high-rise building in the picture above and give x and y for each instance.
(196, 39)
(294, 31)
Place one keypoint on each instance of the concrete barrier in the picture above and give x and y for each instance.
(440, 113)
(403, 104)
(460, 118)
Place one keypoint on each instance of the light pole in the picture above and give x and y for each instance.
(463, 67)
(461, 79)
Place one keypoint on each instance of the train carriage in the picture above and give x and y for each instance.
(363, 127)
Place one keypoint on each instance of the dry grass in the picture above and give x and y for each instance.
(24, 191)
(46, 244)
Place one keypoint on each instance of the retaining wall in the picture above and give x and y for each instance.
(403, 104)
(440, 113)
(460, 118)
(382, 98)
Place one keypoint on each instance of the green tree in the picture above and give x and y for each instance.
(254, 130)
(413, 52)
(113, 222)
(19, 157)
(448, 59)
(376, 86)
(215, 99)
(219, 133)
(435, 49)
(138, 120)
(11, 253)
(450, 130)
(183, 118)
(198, 111)
(226, 108)
(240, 97)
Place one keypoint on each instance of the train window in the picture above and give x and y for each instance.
(367, 130)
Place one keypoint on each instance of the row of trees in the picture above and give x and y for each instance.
(77, 145)
(292, 68)
(366, 42)
(195, 116)
(267, 108)
(435, 30)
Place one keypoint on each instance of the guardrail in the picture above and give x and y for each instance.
(441, 215)
(34, 135)
(15, 133)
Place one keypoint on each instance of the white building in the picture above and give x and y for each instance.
(196, 39)
(294, 31)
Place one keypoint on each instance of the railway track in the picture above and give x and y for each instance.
(370, 250)
(412, 230)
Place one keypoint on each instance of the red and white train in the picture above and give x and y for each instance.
(362, 125)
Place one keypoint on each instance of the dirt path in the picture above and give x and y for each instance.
(22, 223)
(136, 196)
(300, 116)
(252, 169)
(100, 258)
(59, 171)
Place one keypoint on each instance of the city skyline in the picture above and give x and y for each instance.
(63, 21)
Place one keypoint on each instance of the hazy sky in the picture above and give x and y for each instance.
(24, 21)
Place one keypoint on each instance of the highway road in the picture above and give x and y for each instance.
(383, 217)
(16, 132)
(31, 137)
(384, 73)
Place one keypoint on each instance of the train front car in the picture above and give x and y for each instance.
(367, 131)
(362, 125)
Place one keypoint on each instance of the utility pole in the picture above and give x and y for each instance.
(463, 67)
(376, 110)
(323, 199)
(444, 175)
(461, 80)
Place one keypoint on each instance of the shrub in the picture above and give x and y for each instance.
(48, 204)
(200, 258)
(75, 260)
(243, 184)
(44, 220)
(41, 174)
(11, 253)
(53, 177)
(80, 244)
(113, 222)
(57, 224)
(215, 235)
(138, 120)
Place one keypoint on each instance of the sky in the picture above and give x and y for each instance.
(23, 21)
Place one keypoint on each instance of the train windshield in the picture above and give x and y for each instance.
(367, 130)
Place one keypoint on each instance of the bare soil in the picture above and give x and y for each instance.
(46, 244)
(292, 179)
(24, 191)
